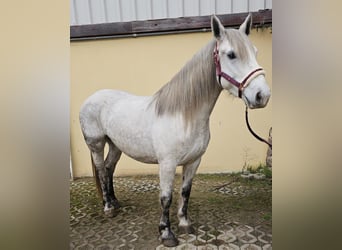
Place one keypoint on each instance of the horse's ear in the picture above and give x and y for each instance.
(217, 28)
(246, 26)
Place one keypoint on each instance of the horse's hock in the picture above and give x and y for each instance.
(269, 151)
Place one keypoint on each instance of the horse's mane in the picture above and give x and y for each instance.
(196, 82)
(190, 87)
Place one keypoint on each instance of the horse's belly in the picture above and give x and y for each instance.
(142, 158)
(129, 127)
(135, 145)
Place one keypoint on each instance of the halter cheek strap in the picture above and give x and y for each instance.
(240, 85)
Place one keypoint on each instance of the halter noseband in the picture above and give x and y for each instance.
(240, 85)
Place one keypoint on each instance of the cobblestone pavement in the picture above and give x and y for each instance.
(227, 212)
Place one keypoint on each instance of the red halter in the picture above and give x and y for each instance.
(239, 85)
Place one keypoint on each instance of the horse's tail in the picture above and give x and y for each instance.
(96, 176)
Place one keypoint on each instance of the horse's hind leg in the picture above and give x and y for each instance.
(112, 159)
(189, 172)
(96, 146)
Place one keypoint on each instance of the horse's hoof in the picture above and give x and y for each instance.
(186, 229)
(168, 239)
(172, 242)
(111, 212)
(116, 204)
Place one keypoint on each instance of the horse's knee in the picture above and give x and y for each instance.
(166, 200)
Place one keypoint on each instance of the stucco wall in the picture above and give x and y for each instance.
(141, 66)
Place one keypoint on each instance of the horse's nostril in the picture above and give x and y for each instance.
(258, 97)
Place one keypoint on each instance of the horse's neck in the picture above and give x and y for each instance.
(208, 79)
(204, 113)
(193, 90)
(203, 116)
(213, 100)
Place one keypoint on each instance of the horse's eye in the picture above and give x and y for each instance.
(231, 55)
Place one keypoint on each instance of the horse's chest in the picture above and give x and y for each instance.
(194, 146)
(173, 141)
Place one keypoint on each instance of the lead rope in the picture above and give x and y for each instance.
(253, 133)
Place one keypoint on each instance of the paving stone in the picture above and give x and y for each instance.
(267, 247)
(207, 247)
(227, 237)
(217, 224)
(250, 247)
(229, 247)
(186, 246)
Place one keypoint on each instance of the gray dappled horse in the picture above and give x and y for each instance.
(171, 128)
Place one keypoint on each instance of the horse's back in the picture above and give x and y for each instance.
(124, 118)
(92, 108)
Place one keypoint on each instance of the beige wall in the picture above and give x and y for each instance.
(141, 66)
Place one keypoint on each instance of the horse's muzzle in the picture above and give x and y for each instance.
(261, 99)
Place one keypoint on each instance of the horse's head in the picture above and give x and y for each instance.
(237, 69)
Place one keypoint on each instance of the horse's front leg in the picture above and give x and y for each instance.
(189, 172)
(166, 175)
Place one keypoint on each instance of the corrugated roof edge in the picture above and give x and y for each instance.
(261, 18)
